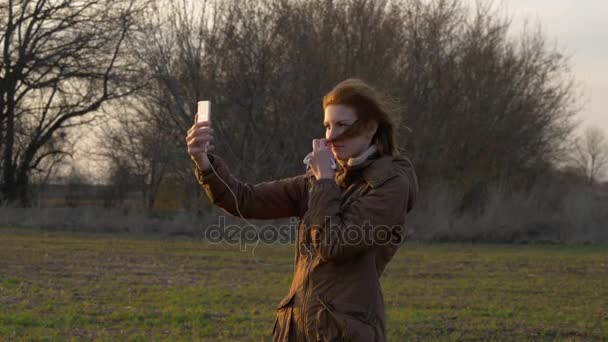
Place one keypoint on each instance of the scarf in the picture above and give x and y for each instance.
(349, 170)
(353, 161)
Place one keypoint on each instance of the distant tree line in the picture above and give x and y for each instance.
(477, 104)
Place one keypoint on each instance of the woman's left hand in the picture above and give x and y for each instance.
(320, 161)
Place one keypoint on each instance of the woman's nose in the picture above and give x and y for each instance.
(331, 133)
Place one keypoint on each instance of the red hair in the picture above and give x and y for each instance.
(369, 106)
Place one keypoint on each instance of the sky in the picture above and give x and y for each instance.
(580, 30)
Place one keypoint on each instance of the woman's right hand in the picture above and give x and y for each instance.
(198, 135)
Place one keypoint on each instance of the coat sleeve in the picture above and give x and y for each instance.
(373, 219)
(266, 200)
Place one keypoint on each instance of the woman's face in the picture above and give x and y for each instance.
(337, 119)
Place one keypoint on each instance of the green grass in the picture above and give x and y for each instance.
(66, 286)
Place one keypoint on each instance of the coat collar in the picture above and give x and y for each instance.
(379, 170)
(375, 170)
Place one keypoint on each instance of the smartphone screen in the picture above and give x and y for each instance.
(204, 111)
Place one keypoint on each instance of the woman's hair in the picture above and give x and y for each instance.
(369, 106)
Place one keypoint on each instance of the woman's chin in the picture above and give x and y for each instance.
(341, 157)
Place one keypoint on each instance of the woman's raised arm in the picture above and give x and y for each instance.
(280, 198)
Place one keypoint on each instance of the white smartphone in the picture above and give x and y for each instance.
(204, 114)
(204, 111)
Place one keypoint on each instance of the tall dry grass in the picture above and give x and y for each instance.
(550, 213)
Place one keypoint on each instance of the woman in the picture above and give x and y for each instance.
(351, 218)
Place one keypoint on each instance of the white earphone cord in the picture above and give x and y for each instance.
(236, 203)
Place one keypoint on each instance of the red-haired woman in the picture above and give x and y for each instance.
(351, 217)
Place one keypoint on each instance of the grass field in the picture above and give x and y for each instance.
(60, 286)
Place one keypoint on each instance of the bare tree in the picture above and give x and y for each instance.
(60, 62)
(481, 105)
(589, 154)
(138, 145)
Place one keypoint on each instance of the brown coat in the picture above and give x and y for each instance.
(335, 293)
